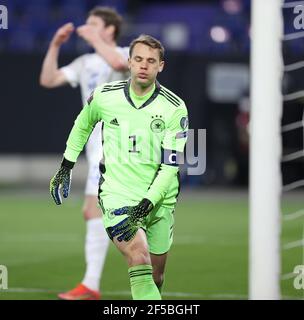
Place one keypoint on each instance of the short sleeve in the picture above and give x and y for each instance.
(72, 71)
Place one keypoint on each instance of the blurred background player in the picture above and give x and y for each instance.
(108, 63)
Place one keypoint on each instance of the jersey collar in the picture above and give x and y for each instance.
(152, 98)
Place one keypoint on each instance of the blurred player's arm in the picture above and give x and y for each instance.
(114, 58)
(51, 76)
(79, 135)
(172, 153)
(83, 127)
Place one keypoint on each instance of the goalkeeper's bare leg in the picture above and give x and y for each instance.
(136, 252)
(158, 265)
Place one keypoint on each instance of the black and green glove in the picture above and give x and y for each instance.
(63, 179)
(127, 228)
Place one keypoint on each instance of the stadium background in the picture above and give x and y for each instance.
(207, 64)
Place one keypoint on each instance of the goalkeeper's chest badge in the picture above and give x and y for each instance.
(157, 124)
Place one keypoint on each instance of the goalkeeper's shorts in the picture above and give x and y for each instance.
(158, 225)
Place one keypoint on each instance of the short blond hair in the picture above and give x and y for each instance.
(149, 41)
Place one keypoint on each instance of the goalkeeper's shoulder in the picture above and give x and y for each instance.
(112, 86)
(172, 99)
(176, 108)
(106, 89)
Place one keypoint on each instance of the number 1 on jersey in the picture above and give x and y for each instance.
(133, 140)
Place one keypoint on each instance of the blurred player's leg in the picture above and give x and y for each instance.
(97, 240)
(137, 255)
(96, 246)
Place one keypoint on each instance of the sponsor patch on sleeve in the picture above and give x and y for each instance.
(184, 122)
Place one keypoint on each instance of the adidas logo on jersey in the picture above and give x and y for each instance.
(115, 122)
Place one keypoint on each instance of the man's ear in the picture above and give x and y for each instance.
(129, 63)
(161, 66)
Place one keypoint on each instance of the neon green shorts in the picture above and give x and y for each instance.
(158, 225)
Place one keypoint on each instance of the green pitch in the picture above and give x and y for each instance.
(41, 244)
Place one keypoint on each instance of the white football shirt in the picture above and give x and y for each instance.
(91, 70)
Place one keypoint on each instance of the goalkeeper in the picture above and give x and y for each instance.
(144, 134)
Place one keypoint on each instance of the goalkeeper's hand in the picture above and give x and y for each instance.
(129, 226)
(63, 179)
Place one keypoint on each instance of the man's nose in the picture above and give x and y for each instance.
(143, 65)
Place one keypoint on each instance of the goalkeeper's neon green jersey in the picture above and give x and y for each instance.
(143, 140)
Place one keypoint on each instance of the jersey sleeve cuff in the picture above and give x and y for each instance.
(154, 198)
(69, 156)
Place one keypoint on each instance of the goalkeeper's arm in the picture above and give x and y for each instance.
(171, 155)
(81, 131)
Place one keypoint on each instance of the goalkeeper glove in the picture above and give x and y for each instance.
(129, 226)
(62, 179)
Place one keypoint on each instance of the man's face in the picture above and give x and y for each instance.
(144, 64)
(99, 25)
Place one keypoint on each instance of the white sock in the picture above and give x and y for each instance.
(96, 247)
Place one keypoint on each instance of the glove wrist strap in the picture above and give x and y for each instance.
(147, 204)
(67, 164)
